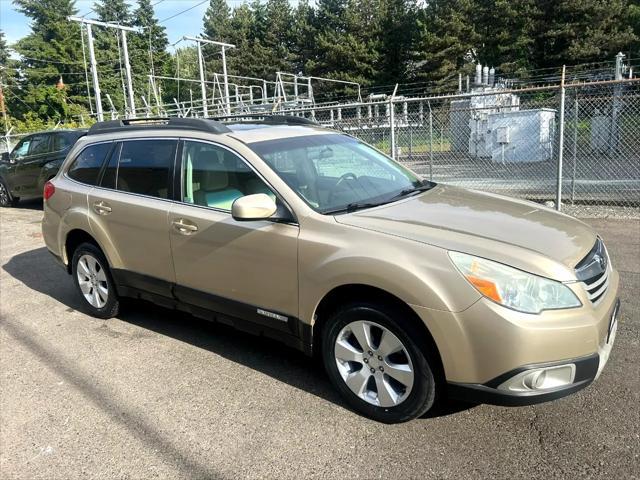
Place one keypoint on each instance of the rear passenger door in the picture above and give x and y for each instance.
(129, 209)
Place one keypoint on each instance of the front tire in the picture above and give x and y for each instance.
(6, 200)
(372, 358)
(93, 280)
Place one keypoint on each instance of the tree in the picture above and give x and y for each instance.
(149, 47)
(579, 31)
(51, 51)
(506, 41)
(4, 50)
(217, 28)
(303, 32)
(346, 46)
(397, 29)
(109, 50)
(447, 40)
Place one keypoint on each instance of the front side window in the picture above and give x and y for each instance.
(214, 177)
(22, 149)
(86, 167)
(334, 172)
(143, 167)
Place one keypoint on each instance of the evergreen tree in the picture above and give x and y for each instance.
(578, 31)
(397, 30)
(217, 28)
(345, 48)
(4, 50)
(634, 22)
(111, 69)
(303, 33)
(51, 51)
(148, 48)
(506, 32)
(447, 40)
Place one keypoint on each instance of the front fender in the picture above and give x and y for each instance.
(416, 273)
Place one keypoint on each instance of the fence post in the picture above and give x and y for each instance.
(575, 148)
(392, 129)
(560, 143)
(430, 143)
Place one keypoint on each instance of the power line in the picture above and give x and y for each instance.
(183, 11)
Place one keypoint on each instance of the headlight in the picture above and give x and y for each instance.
(514, 288)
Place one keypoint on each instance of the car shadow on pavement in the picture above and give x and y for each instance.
(37, 270)
(35, 204)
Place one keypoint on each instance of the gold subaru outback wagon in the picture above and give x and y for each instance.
(409, 291)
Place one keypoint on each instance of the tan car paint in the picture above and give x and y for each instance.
(400, 248)
(487, 339)
(250, 262)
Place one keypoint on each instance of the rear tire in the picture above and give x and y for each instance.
(93, 280)
(388, 379)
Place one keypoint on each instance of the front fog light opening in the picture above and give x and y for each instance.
(540, 379)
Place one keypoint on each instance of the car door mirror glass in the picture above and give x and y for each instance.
(5, 157)
(258, 206)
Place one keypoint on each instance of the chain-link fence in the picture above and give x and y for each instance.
(508, 141)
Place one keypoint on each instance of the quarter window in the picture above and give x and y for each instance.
(215, 177)
(86, 167)
(142, 167)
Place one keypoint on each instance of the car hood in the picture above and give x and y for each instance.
(479, 223)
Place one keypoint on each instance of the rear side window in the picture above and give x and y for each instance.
(39, 145)
(142, 167)
(86, 167)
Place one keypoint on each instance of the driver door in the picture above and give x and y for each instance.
(29, 167)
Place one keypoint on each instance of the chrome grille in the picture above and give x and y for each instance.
(593, 271)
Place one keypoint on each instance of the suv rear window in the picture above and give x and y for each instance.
(86, 167)
(142, 167)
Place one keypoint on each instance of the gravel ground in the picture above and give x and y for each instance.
(156, 394)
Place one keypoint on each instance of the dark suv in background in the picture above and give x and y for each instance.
(33, 161)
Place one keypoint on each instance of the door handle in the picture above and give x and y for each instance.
(101, 208)
(184, 226)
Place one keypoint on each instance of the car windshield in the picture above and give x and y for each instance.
(335, 173)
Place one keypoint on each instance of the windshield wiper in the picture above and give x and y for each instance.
(352, 207)
(408, 191)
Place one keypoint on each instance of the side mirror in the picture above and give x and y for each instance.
(258, 206)
(5, 157)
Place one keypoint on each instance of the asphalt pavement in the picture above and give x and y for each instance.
(159, 394)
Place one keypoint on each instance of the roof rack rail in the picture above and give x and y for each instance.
(179, 123)
(268, 119)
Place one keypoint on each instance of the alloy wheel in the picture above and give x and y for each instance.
(4, 195)
(374, 363)
(92, 280)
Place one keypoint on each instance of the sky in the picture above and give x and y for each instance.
(16, 25)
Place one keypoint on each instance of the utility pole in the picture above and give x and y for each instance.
(203, 87)
(94, 67)
(223, 46)
(127, 66)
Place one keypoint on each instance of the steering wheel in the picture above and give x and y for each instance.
(343, 178)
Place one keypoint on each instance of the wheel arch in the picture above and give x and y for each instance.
(73, 239)
(356, 292)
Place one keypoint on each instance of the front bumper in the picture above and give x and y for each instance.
(500, 391)
(586, 371)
